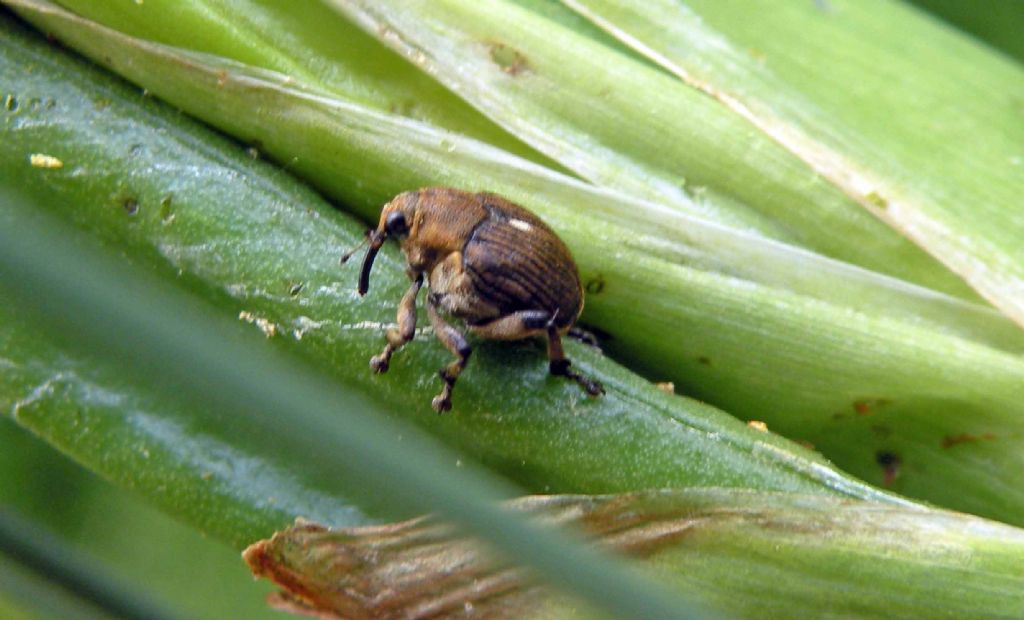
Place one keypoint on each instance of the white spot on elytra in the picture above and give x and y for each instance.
(521, 225)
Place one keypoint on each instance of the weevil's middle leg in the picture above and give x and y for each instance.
(455, 342)
(528, 322)
(403, 333)
(558, 364)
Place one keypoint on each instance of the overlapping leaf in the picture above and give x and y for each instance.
(917, 124)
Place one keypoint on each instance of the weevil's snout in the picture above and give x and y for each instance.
(376, 238)
(395, 220)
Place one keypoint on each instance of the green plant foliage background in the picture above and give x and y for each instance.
(911, 388)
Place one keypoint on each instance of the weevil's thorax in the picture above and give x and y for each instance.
(441, 219)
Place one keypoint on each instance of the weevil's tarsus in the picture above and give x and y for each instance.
(558, 364)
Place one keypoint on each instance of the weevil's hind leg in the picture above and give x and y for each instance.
(514, 326)
(455, 342)
(403, 333)
(558, 364)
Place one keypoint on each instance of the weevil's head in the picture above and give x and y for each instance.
(397, 216)
(395, 220)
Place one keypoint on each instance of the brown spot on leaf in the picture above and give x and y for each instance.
(509, 59)
(405, 107)
(867, 406)
(890, 462)
(131, 205)
(954, 440)
(881, 430)
(166, 213)
(877, 200)
(595, 285)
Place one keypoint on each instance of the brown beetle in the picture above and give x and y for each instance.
(488, 262)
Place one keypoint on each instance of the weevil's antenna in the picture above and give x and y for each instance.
(359, 246)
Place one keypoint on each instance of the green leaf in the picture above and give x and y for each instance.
(884, 387)
(756, 555)
(918, 124)
(311, 45)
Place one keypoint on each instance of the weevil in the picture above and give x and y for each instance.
(487, 262)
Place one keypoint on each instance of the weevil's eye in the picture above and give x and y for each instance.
(396, 224)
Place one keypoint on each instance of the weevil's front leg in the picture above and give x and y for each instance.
(558, 364)
(455, 342)
(403, 333)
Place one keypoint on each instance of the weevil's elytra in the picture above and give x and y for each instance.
(487, 262)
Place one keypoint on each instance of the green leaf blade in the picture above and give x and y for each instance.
(312, 46)
(917, 124)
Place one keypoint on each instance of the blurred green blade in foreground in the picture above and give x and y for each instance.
(755, 555)
(70, 584)
(147, 549)
(918, 124)
(891, 398)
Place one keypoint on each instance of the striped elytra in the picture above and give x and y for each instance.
(515, 260)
